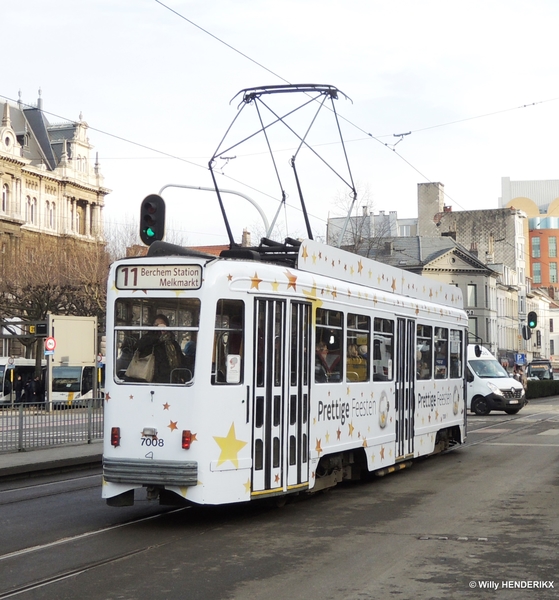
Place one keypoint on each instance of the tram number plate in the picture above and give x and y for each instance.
(153, 442)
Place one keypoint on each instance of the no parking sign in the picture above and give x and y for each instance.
(50, 345)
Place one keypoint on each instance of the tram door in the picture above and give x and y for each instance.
(281, 395)
(405, 391)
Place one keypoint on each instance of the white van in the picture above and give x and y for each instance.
(489, 386)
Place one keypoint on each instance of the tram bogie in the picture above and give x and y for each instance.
(230, 380)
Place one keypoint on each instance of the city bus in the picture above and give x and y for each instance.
(247, 416)
(10, 368)
(72, 384)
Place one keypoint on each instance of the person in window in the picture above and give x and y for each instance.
(189, 351)
(169, 359)
(321, 368)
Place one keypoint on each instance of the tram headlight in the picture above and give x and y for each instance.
(115, 436)
(495, 389)
(186, 439)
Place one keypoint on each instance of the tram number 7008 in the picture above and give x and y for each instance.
(146, 441)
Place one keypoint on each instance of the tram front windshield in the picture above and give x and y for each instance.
(155, 340)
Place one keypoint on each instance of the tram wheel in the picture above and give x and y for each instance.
(480, 406)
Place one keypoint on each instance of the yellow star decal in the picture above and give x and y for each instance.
(316, 302)
(393, 286)
(230, 447)
(351, 429)
(382, 452)
(304, 253)
(107, 396)
(275, 285)
(292, 280)
(172, 425)
(327, 436)
(318, 446)
(166, 406)
(229, 277)
(359, 267)
(247, 486)
(255, 282)
(338, 433)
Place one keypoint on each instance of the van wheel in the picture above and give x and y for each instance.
(480, 406)
(511, 411)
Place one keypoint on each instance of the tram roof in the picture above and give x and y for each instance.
(353, 268)
(334, 263)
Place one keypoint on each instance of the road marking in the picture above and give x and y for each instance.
(520, 444)
(487, 430)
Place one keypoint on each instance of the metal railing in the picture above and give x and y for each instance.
(29, 427)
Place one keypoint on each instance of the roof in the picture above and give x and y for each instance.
(417, 253)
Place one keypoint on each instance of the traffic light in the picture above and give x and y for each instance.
(152, 219)
(532, 319)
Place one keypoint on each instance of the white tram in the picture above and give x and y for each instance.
(252, 410)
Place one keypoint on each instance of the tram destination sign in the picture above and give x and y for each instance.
(159, 277)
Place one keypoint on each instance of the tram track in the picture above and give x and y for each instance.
(75, 571)
(28, 493)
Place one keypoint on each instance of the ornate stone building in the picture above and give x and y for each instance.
(49, 183)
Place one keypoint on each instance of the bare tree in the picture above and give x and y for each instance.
(61, 276)
(365, 232)
(124, 234)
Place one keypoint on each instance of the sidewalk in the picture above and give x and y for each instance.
(34, 462)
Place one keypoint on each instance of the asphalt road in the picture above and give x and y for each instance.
(453, 526)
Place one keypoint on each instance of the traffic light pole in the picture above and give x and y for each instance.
(212, 189)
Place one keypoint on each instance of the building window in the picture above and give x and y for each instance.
(551, 347)
(472, 328)
(552, 240)
(537, 273)
(5, 197)
(471, 298)
(535, 247)
(551, 327)
(552, 272)
(405, 230)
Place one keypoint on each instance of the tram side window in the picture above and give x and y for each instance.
(441, 353)
(227, 356)
(455, 354)
(358, 339)
(383, 349)
(329, 345)
(163, 328)
(424, 351)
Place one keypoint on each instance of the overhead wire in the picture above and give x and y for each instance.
(370, 135)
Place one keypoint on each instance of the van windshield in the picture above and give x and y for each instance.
(487, 369)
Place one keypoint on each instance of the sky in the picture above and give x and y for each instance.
(474, 83)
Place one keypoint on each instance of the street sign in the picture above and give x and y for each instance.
(50, 344)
